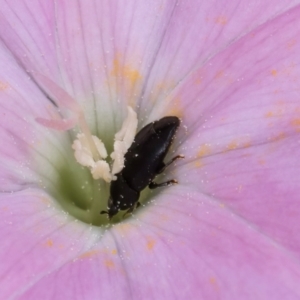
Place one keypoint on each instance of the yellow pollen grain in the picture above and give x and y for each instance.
(89, 254)
(278, 137)
(213, 282)
(176, 109)
(247, 144)
(3, 85)
(222, 20)
(295, 122)
(114, 251)
(132, 75)
(150, 244)
(204, 150)
(109, 263)
(116, 70)
(198, 164)
(49, 243)
(262, 162)
(233, 145)
(269, 114)
(274, 72)
(124, 228)
(129, 73)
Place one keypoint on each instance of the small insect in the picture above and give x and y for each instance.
(143, 161)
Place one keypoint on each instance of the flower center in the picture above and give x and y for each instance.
(81, 185)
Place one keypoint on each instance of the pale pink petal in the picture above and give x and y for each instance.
(242, 123)
(133, 52)
(22, 138)
(229, 229)
(186, 247)
(36, 239)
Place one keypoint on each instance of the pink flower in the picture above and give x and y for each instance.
(230, 70)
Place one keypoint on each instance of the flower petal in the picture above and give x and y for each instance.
(21, 102)
(130, 51)
(244, 151)
(187, 246)
(36, 239)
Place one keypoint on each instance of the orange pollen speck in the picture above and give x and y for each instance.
(109, 263)
(204, 150)
(296, 122)
(233, 145)
(221, 20)
(269, 114)
(150, 244)
(274, 72)
(49, 243)
(89, 254)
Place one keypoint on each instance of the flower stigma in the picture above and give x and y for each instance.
(81, 188)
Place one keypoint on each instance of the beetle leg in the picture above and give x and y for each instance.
(153, 185)
(165, 165)
(131, 209)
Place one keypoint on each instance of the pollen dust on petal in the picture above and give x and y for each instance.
(49, 243)
(89, 254)
(114, 251)
(124, 228)
(280, 136)
(269, 114)
(296, 123)
(247, 144)
(204, 150)
(214, 283)
(3, 86)
(274, 72)
(127, 72)
(150, 243)
(176, 108)
(198, 163)
(222, 20)
(232, 145)
(109, 263)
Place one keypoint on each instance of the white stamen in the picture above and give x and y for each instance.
(101, 170)
(123, 140)
(83, 154)
(90, 152)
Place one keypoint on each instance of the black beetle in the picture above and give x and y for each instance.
(143, 161)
